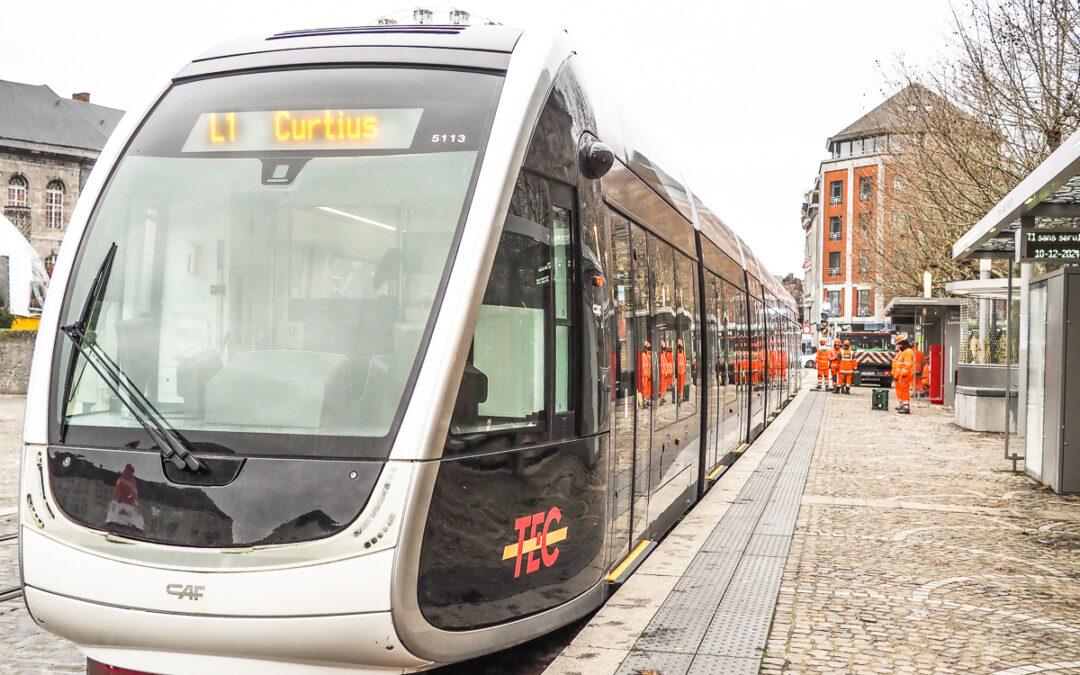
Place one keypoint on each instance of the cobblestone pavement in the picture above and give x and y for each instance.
(918, 551)
(24, 648)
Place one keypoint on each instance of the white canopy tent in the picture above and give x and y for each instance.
(27, 280)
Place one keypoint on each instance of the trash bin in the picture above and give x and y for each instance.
(880, 399)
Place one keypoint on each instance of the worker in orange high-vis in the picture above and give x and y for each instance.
(834, 364)
(680, 372)
(644, 375)
(847, 367)
(822, 361)
(903, 372)
(667, 372)
(920, 376)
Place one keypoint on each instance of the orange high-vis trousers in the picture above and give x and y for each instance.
(903, 389)
(845, 378)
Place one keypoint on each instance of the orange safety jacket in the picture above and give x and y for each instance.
(667, 371)
(847, 361)
(834, 358)
(644, 373)
(903, 365)
(822, 358)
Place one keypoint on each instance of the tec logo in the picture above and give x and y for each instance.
(535, 533)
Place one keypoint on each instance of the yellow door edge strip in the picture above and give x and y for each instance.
(627, 561)
(715, 473)
(741, 449)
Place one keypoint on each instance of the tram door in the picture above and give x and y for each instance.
(631, 423)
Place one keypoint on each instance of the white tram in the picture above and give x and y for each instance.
(378, 348)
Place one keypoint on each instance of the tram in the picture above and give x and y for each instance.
(378, 348)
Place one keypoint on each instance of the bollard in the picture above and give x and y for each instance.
(879, 400)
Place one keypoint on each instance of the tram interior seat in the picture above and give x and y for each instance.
(262, 389)
(360, 329)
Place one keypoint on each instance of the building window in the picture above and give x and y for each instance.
(863, 303)
(835, 304)
(866, 188)
(836, 192)
(834, 264)
(18, 187)
(864, 262)
(50, 262)
(865, 220)
(836, 228)
(54, 205)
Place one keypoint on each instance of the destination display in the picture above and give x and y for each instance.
(333, 129)
(1058, 245)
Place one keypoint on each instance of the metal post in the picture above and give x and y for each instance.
(1008, 363)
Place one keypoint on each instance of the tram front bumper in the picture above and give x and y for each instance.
(329, 614)
(159, 642)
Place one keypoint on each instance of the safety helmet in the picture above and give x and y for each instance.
(822, 341)
(847, 343)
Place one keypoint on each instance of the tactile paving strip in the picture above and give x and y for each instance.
(720, 610)
(769, 545)
(740, 634)
(727, 540)
(707, 664)
(639, 662)
(716, 566)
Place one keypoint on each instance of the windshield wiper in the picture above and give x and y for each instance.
(170, 443)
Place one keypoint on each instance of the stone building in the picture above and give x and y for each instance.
(48, 144)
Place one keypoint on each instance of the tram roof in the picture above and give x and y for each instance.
(486, 38)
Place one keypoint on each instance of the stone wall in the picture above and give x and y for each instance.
(16, 349)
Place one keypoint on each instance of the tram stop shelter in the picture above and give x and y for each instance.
(1037, 227)
(934, 324)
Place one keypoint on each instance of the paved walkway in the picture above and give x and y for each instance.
(915, 551)
(918, 551)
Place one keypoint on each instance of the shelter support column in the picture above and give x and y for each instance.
(1022, 355)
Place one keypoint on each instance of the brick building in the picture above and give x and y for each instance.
(48, 144)
(843, 217)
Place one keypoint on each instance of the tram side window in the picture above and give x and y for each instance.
(686, 349)
(662, 264)
(518, 374)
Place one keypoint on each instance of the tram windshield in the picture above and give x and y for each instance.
(281, 240)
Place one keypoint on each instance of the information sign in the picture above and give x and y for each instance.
(1046, 245)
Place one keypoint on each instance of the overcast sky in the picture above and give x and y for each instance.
(742, 94)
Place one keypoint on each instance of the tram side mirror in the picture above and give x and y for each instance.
(596, 159)
(474, 385)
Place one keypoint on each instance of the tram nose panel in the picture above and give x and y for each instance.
(352, 585)
(236, 502)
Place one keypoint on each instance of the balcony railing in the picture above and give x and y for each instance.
(834, 271)
(834, 200)
(835, 236)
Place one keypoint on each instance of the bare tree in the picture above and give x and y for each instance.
(965, 131)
